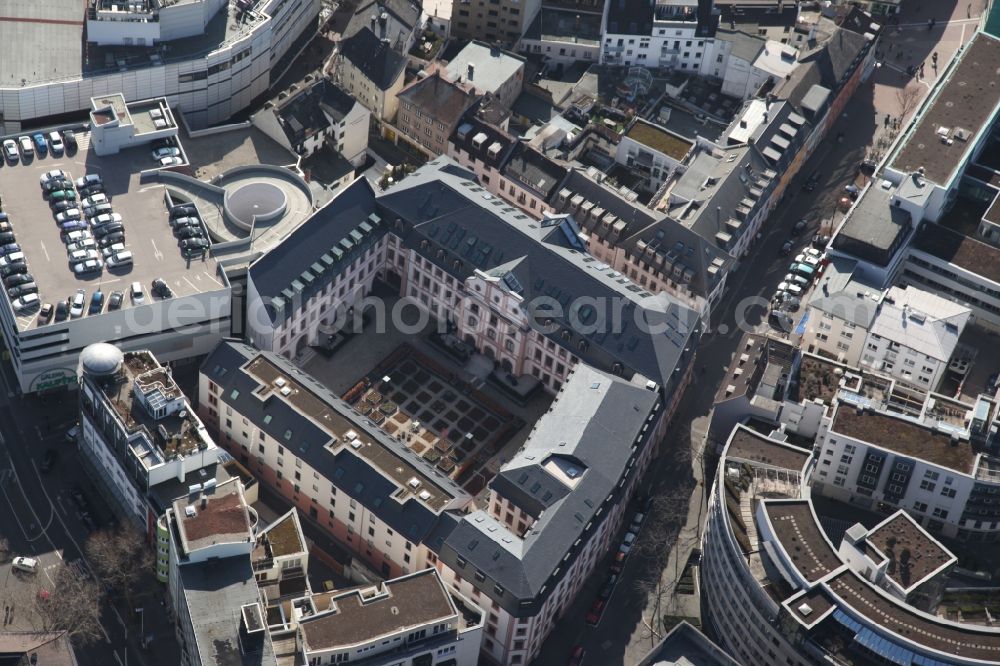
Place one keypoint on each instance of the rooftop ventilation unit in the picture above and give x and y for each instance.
(413, 482)
(190, 511)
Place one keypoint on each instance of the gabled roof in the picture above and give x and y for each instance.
(826, 64)
(568, 468)
(378, 61)
(922, 321)
(442, 100)
(533, 170)
(312, 109)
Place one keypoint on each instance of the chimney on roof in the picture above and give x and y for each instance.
(204, 502)
(472, 71)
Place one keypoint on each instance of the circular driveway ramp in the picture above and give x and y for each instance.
(261, 201)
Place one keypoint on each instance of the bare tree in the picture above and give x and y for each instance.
(119, 558)
(72, 604)
(4, 549)
(907, 98)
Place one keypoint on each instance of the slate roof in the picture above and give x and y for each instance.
(442, 204)
(629, 17)
(368, 473)
(313, 108)
(828, 65)
(533, 170)
(377, 60)
(214, 592)
(402, 17)
(317, 242)
(470, 128)
(595, 425)
(744, 46)
(844, 296)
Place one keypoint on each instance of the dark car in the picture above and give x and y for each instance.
(162, 143)
(60, 206)
(6, 238)
(186, 221)
(48, 460)
(819, 241)
(800, 226)
(13, 269)
(618, 563)
(781, 321)
(609, 586)
(595, 612)
(992, 382)
(576, 656)
(183, 210)
(88, 521)
(115, 300)
(812, 182)
(79, 498)
(21, 290)
(189, 232)
(111, 228)
(111, 239)
(15, 280)
(96, 188)
(194, 244)
(161, 288)
(786, 248)
(57, 184)
(69, 138)
(96, 302)
(62, 310)
(5, 227)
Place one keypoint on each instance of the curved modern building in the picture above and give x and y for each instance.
(777, 590)
(209, 58)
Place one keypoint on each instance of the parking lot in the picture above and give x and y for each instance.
(148, 234)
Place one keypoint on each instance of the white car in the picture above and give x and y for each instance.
(68, 214)
(99, 209)
(170, 161)
(119, 259)
(807, 259)
(56, 142)
(12, 258)
(77, 236)
(95, 200)
(160, 153)
(113, 249)
(77, 256)
(789, 288)
(105, 218)
(136, 292)
(10, 150)
(76, 306)
(88, 266)
(52, 175)
(25, 302)
(26, 147)
(813, 252)
(87, 181)
(82, 244)
(26, 564)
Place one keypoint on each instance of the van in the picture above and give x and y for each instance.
(26, 564)
(804, 270)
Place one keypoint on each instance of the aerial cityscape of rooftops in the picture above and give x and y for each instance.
(500, 332)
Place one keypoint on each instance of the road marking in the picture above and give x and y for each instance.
(193, 285)
(47, 258)
(156, 250)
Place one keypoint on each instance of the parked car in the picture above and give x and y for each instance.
(9, 248)
(111, 239)
(800, 226)
(77, 256)
(170, 161)
(83, 244)
(40, 144)
(992, 382)
(618, 563)
(57, 184)
(15, 280)
(48, 460)
(115, 300)
(62, 310)
(89, 179)
(806, 258)
(60, 206)
(12, 258)
(637, 520)
(68, 214)
(781, 321)
(93, 201)
(790, 303)
(595, 612)
(75, 236)
(811, 182)
(99, 209)
(25, 564)
(793, 289)
(92, 190)
(56, 142)
(7, 238)
(110, 228)
(166, 151)
(22, 289)
(609, 586)
(119, 259)
(5, 227)
(25, 145)
(25, 302)
(45, 314)
(62, 195)
(792, 278)
(135, 291)
(194, 244)
(189, 232)
(105, 218)
(111, 249)
(576, 656)
(10, 150)
(183, 210)
(69, 138)
(161, 288)
(786, 248)
(96, 302)
(805, 270)
(187, 221)
(88, 266)
(53, 175)
(12, 269)
(73, 225)
(820, 241)
(163, 143)
(76, 305)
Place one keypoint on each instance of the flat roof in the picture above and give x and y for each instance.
(899, 534)
(964, 102)
(962, 251)
(148, 234)
(749, 445)
(968, 641)
(365, 614)
(874, 221)
(905, 437)
(795, 527)
(659, 139)
(223, 518)
(810, 607)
